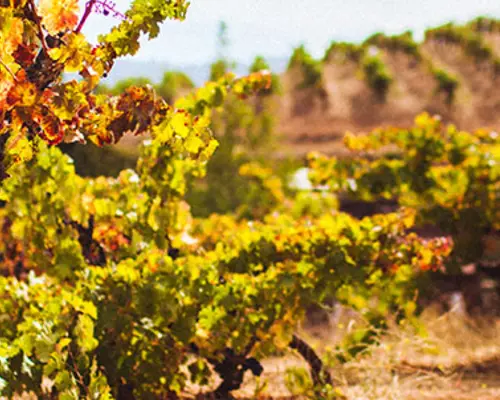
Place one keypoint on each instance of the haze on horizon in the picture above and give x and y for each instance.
(272, 28)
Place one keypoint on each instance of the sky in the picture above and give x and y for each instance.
(272, 28)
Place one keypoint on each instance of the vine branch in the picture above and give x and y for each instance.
(88, 9)
(38, 22)
(319, 374)
(7, 68)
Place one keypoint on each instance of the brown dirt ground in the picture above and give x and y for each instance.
(457, 358)
(309, 121)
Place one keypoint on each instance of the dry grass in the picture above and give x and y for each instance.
(457, 358)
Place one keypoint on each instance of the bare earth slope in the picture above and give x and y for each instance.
(316, 118)
(312, 119)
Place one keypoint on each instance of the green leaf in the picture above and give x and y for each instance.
(26, 343)
(9, 349)
(84, 331)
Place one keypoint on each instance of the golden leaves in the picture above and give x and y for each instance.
(74, 54)
(58, 15)
(22, 94)
(6, 83)
(11, 35)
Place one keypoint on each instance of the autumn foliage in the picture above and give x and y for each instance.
(111, 289)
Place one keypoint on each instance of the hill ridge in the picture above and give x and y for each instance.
(387, 80)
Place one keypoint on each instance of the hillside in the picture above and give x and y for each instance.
(387, 80)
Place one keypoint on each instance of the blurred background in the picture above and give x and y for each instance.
(273, 28)
(337, 67)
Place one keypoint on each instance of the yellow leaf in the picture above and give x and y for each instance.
(180, 125)
(212, 146)
(11, 33)
(193, 144)
(58, 15)
(19, 147)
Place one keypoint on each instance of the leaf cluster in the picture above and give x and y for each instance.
(449, 177)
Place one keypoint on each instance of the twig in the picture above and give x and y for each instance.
(88, 9)
(8, 70)
(39, 25)
(232, 368)
(3, 172)
(105, 7)
(320, 375)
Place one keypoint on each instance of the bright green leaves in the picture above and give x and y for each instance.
(181, 129)
(50, 337)
(144, 17)
(39, 195)
(68, 257)
(84, 332)
(124, 40)
(210, 317)
(181, 144)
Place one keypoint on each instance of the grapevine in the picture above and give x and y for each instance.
(111, 289)
(450, 177)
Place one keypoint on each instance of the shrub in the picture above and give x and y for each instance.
(473, 44)
(344, 50)
(446, 83)
(403, 43)
(310, 68)
(485, 24)
(104, 291)
(377, 76)
(218, 69)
